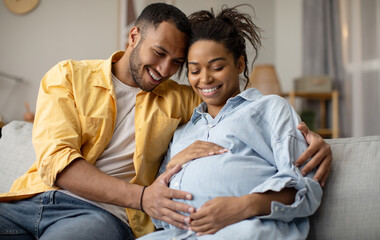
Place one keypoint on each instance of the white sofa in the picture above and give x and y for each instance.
(349, 208)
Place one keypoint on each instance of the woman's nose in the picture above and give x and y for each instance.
(206, 77)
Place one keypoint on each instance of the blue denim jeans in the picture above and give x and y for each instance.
(55, 215)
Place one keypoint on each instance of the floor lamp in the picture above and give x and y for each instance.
(264, 79)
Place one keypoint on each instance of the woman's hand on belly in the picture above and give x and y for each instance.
(198, 149)
(219, 213)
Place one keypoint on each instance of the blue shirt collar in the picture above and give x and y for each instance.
(250, 95)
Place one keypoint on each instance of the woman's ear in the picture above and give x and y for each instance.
(241, 64)
(134, 36)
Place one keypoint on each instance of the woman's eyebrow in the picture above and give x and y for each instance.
(217, 59)
(211, 61)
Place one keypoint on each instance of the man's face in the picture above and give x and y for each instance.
(157, 55)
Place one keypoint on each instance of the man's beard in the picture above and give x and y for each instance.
(135, 65)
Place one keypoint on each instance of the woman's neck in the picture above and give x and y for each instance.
(214, 110)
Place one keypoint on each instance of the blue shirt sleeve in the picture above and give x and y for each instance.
(287, 144)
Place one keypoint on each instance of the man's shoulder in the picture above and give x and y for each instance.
(76, 65)
(171, 88)
(171, 84)
(177, 96)
(82, 73)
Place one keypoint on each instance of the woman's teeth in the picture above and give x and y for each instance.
(208, 90)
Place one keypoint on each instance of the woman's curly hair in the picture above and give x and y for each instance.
(229, 27)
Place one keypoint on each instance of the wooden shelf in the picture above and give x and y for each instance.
(322, 98)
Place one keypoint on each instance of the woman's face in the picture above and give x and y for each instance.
(213, 73)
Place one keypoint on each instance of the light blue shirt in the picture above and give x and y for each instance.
(263, 142)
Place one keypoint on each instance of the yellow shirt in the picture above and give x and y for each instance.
(75, 118)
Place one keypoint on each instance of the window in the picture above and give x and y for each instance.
(360, 21)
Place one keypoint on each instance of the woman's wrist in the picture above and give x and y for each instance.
(250, 204)
(259, 204)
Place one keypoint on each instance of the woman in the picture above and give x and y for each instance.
(252, 191)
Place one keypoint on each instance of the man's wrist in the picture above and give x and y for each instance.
(129, 196)
(141, 199)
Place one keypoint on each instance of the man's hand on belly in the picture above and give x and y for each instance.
(157, 201)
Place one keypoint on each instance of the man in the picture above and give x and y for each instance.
(99, 140)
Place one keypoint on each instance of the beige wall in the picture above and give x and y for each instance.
(31, 44)
(288, 41)
(282, 36)
(86, 29)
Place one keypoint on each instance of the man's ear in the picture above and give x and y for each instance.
(241, 64)
(134, 36)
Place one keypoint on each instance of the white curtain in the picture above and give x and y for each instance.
(342, 39)
(322, 50)
(360, 21)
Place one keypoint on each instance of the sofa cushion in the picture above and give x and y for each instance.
(16, 152)
(350, 207)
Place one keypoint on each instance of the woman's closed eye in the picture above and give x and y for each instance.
(194, 71)
(219, 68)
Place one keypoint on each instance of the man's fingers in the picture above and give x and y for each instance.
(164, 208)
(178, 194)
(171, 216)
(181, 207)
(167, 175)
(179, 224)
(168, 203)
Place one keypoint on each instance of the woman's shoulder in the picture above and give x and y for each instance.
(264, 102)
(274, 111)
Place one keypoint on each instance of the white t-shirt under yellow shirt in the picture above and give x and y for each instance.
(117, 158)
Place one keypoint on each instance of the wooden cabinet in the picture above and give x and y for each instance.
(322, 98)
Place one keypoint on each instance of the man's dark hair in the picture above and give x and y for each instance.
(156, 13)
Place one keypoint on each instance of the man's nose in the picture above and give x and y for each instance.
(165, 68)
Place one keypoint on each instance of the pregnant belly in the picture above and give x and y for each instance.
(217, 176)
